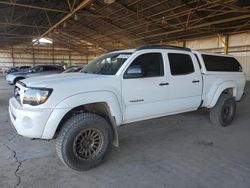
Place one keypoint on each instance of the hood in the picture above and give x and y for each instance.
(67, 85)
(19, 73)
(54, 80)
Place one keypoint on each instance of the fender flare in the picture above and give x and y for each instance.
(69, 103)
(18, 77)
(222, 87)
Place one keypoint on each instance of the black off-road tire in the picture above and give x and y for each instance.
(223, 113)
(75, 129)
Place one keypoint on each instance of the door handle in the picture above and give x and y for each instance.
(195, 81)
(163, 84)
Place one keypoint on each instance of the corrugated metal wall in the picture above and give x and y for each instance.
(239, 46)
(21, 55)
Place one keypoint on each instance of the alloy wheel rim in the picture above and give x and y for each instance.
(88, 143)
(227, 112)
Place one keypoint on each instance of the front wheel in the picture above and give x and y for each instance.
(84, 141)
(223, 112)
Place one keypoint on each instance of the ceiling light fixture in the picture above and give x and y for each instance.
(109, 1)
(42, 41)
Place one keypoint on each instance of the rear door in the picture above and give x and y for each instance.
(147, 96)
(50, 70)
(185, 82)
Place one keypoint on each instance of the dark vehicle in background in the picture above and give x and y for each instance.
(73, 69)
(15, 69)
(38, 70)
(10, 70)
(24, 67)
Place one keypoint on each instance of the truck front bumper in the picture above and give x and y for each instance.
(28, 122)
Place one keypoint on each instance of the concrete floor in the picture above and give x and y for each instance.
(177, 151)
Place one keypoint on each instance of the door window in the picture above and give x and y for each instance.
(50, 68)
(151, 64)
(180, 64)
(37, 69)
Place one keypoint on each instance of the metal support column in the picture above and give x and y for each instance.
(33, 55)
(69, 57)
(226, 46)
(53, 53)
(69, 45)
(12, 56)
(184, 44)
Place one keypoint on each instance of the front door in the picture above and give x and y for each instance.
(146, 96)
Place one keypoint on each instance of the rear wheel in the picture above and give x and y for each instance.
(223, 112)
(84, 141)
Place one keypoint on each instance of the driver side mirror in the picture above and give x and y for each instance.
(134, 71)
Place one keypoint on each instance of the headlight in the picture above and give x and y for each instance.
(9, 76)
(36, 96)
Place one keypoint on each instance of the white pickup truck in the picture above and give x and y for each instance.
(83, 110)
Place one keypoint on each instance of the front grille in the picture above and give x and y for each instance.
(17, 93)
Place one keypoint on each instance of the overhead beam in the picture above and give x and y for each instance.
(233, 7)
(113, 26)
(22, 25)
(186, 36)
(197, 26)
(75, 43)
(12, 3)
(112, 18)
(194, 22)
(200, 15)
(83, 4)
(14, 34)
(141, 23)
(116, 11)
(138, 14)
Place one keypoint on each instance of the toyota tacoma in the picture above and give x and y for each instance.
(83, 110)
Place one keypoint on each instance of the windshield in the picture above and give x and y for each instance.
(107, 64)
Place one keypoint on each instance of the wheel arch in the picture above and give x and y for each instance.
(99, 108)
(109, 108)
(18, 78)
(228, 87)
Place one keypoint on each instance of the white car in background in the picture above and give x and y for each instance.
(38, 70)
